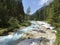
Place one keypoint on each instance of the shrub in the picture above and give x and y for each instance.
(14, 22)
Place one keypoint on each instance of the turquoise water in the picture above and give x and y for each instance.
(12, 39)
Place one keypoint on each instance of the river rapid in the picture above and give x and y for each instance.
(12, 39)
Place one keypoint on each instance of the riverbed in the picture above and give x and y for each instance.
(13, 39)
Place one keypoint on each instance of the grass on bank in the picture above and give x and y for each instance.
(13, 25)
(58, 36)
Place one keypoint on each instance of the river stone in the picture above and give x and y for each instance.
(43, 36)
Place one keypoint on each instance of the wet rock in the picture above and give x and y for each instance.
(39, 35)
(36, 41)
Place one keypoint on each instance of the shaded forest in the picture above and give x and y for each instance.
(11, 16)
(10, 9)
(50, 13)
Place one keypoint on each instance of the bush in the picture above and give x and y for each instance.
(25, 23)
(2, 31)
(58, 36)
(14, 22)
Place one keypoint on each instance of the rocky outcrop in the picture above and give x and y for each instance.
(40, 35)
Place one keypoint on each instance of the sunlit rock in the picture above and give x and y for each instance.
(35, 34)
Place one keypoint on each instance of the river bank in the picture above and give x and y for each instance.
(37, 30)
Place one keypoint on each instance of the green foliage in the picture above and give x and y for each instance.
(11, 15)
(51, 14)
(14, 22)
(58, 36)
(10, 8)
(25, 23)
(2, 31)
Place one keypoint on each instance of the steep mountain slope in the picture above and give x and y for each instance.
(50, 13)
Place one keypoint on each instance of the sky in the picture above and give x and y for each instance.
(35, 4)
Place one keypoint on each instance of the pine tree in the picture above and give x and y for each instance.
(10, 8)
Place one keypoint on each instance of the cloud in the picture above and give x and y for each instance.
(44, 2)
(41, 2)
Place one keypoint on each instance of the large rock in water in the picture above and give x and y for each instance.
(40, 35)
